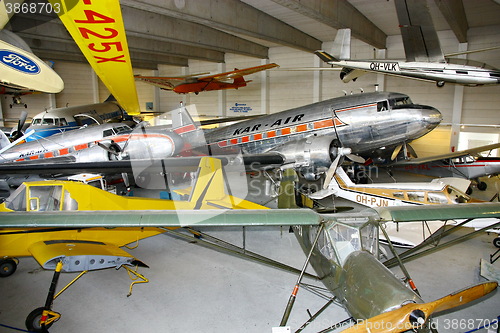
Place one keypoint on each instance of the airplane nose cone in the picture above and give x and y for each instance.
(431, 116)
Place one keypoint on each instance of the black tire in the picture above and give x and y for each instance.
(496, 242)
(33, 321)
(7, 267)
(440, 84)
(482, 186)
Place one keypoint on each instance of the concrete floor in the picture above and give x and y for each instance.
(194, 289)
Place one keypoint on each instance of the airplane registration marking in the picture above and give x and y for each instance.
(371, 201)
(385, 66)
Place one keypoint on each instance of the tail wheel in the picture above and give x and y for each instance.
(33, 321)
(7, 267)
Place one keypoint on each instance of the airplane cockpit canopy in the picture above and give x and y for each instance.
(341, 239)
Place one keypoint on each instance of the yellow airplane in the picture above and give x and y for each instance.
(84, 249)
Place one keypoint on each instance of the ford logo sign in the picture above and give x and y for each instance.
(18, 62)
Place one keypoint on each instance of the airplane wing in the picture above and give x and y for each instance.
(162, 82)
(420, 39)
(237, 73)
(67, 165)
(439, 212)
(460, 153)
(98, 30)
(165, 218)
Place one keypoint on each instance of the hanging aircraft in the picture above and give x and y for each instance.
(310, 139)
(22, 71)
(424, 57)
(341, 248)
(467, 164)
(196, 83)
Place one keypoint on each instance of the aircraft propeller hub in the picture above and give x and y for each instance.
(417, 318)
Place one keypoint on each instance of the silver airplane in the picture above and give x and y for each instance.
(424, 57)
(311, 139)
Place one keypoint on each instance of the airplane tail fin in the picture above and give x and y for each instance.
(211, 190)
(342, 44)
(341, 49)
(209, 184)
(240, 81)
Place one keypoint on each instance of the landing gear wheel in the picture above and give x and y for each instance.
(496, 242)
(7, 267)
(33, 321)
(440, 84)
(482, 186)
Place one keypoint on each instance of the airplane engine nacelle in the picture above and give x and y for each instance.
(153, 145)
(311, 155)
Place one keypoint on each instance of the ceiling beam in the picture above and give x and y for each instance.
(53, 35)
(233, 16)
(339, 14)
(155, 26)
(454, 13)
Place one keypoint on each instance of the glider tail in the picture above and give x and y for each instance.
(239, 81)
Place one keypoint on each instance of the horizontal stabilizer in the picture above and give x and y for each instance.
(325, 56)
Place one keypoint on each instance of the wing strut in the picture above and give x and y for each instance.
(293, 296)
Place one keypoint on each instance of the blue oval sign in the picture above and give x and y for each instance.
(18, 62)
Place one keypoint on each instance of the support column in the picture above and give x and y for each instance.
(381, 54)
(222, 100)
(2, 122)
(264, 89)
(156, 93)
(317, 80)
(95, 86)
(458, 98)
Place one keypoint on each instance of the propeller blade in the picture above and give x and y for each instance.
(412, 151)
(356, 158)
(414, 315)
(109, 150)
(20, 124)
(21, 121)
(396, 152)
(331, 171)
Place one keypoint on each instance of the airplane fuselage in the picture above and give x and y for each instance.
(307, 134)
(432, 71)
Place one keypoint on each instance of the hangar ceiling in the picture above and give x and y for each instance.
(172, 32)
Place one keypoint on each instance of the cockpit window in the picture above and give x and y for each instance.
(401, 101)
(457, 196)
(345, 240)
(382, 106)
(17, 200)
(45, 198)
(121, 129)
